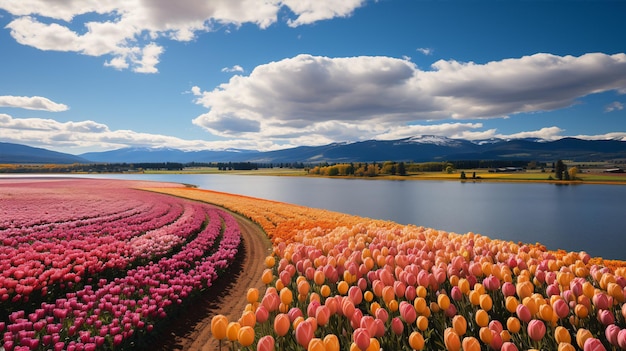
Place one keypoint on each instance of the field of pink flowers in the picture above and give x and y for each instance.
(339, 282)
(89, 264)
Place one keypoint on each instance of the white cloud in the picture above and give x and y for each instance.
(32, 103)
(83, 136)
(614, 106)
(310, 11)
(374, 96)
(426, 51)
(126, 30)
(235, 68)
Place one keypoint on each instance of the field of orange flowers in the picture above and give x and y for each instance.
(341, 282)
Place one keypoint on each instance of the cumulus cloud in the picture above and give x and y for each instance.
(32, 103)
(127, 30)
(373, 96)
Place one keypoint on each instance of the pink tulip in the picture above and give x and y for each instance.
(536, 329)
(508, 346)
(266, 343)
(380, 328)
(304, 333)
(322, 315)
(397, 326)
(606, 317)
(407, 312)
(601, 301)
(261, 314)
(621, 339)
(355, 294)
(523, 313)
(382, 314)
(294, 313)
(561, 308)
(361, 338)
(593, 344)
(611, 333)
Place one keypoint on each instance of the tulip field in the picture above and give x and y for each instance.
(100, 265)
(95, 265)
(340, 282)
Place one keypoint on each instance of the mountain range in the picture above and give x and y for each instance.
(415, 149)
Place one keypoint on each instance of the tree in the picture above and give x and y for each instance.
(559, 169)
(573, 172)
(401, 169)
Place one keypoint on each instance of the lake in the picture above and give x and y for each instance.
(570, 217)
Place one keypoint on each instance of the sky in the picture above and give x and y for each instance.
(94, 75)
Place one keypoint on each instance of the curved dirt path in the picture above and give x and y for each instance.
(191, 331)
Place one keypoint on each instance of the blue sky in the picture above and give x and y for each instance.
(92, 75)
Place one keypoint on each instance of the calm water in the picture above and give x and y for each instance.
(570, 217)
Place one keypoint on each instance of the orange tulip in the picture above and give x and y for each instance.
(270, 261)
(470, 343)
(281, 324)
(485, 302)
(485, 335)
(422, 323)
(232, 331)
(248, 319)
(245, 336)
(420, 305)
(561, 335)
(219, 323)
(482, 318)
(374, 345)
(443, 301)
(513, 325)
(331, 342)
(267, 277)
(416, 341)
(460, 325)
(286, 296)
(581, 336)
(252, 295)
(316, 344)
(451, 340)
(342, 287)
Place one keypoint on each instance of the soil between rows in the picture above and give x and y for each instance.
(191, 331)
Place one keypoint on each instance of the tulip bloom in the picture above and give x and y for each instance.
(219, 323)
(281, 324)
(245, 336)
(331, 342)
(361, 338)
(304, 333)
(266, 343)
(470, 343)
(416, 341)
(536, 329)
